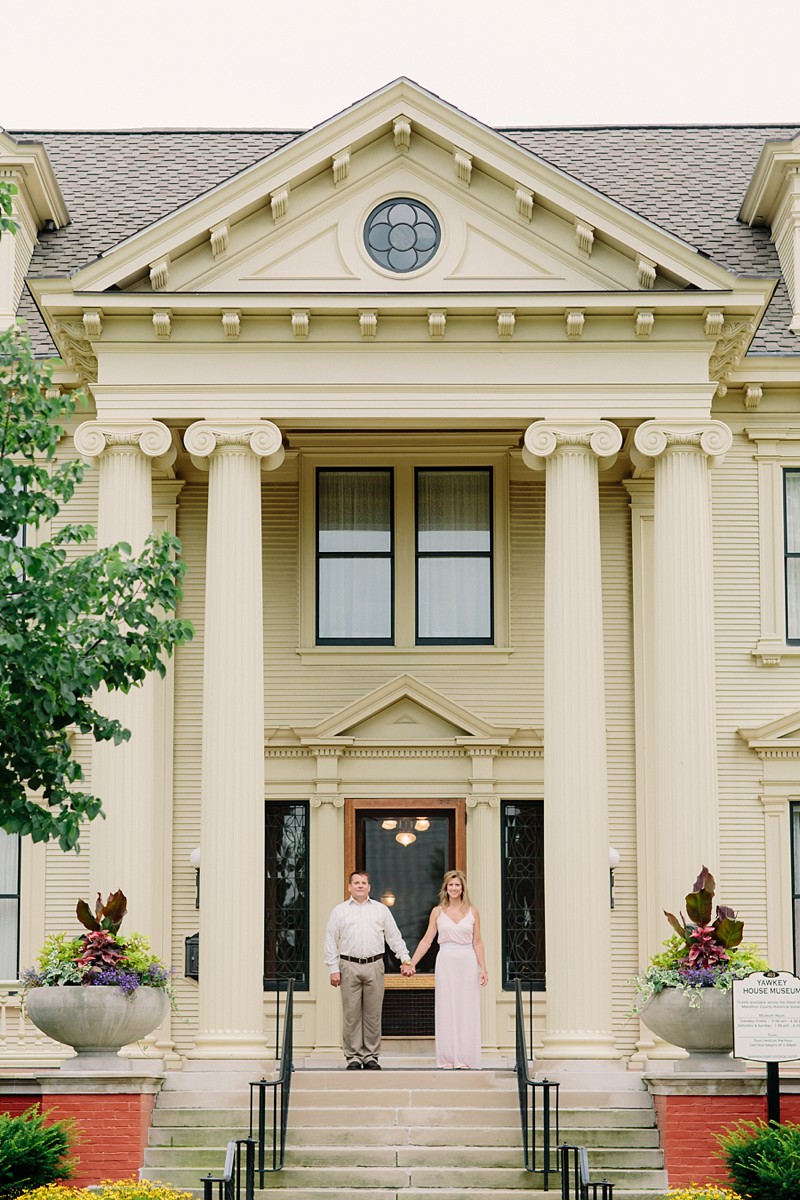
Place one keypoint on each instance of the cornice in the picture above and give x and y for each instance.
(765, 190)
(462, 138)
(38, 179)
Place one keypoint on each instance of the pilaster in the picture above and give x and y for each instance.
(579, 1014)
(483, 876)
(685, 761)
(231, 1016)
(327, 890)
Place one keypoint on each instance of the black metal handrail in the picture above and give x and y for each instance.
(228, 1185)
(528, 1088)
(575, 1181)
(280, 1087)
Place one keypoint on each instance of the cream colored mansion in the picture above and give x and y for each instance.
(483, 448)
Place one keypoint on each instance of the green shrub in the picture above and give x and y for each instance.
(763, 1161)
(33, 1153)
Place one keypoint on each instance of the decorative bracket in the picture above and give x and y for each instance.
(300, 322)
(92, 323)
(159, 273)
(753, 395)
(340, 165)
(644, 322)
(162, 323)
(368, 323)
(524, 199)
(402, 133)
(463, 165)
(231, 322)
(645, 272)
(575, 321)
(506, 320)
(437, 320)
(279, 203)
(584, 235)
(219, 236)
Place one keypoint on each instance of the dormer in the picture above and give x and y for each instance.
(37, 205)
(773, 199)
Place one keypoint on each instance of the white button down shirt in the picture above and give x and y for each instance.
(359, 931)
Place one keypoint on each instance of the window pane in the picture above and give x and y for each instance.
(355, 598)
(792, 482)
(793, 599)
(9, 862)
(454, 599)
(453, 511)
(286, 893)
(9, 924)
(355, 512)
(523, 892)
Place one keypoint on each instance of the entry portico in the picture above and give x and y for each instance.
(561, 356)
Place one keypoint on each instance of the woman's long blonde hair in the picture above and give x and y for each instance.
(444, 899)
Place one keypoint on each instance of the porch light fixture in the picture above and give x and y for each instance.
(194, 860)
(405, 837)
(421, 824)
(388, 898)
(613, 863)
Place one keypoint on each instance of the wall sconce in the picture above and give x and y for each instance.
(388, 898)
(613, 863)
(194, 859)
(421, 824)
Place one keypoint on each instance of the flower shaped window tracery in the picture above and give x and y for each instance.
(402, 235)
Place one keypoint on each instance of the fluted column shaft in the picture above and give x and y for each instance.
(232, 821)
(482, 859)
(126, 849)
(577, 914)
(685, 784)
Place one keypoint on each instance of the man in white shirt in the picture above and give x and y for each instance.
(354, 941)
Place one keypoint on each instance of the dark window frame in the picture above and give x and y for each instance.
(320, 555)
(536, 809)
(788, 555)
(794, 842)
(302, 982)
(427, 554)
(17, 896)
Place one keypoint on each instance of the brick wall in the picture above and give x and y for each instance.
(16, 1105)
(113, 1132)
(687, 1125)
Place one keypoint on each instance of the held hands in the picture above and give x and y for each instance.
(408, 969)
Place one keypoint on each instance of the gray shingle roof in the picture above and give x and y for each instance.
(689, 180)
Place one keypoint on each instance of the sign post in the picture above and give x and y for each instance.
(766, 1026)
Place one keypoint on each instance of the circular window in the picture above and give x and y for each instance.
(402, 235)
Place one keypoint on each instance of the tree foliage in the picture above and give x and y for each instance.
(70, 620)
(7, 193)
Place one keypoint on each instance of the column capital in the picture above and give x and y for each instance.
(262, 438)
(544, 438)
(149, 438)
(654, 438)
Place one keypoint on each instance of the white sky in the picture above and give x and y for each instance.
(263, 64)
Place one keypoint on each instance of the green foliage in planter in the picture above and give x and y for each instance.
(763, 1161)
(33, 1153)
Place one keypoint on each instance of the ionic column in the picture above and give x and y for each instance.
(231, 1016)
(577, 911)
(126, 848)
(685, 824)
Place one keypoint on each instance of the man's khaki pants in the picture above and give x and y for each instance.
(362, 1005)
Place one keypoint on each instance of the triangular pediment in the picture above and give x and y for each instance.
(782, 734)
(295, 221)
(405, 710)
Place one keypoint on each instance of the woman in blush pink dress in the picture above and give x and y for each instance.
(460, 974)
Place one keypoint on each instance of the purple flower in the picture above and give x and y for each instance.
(157, 976)
(699, 976)
(126, 981)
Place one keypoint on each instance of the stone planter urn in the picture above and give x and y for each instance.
(96, 1021)
(705, 1031)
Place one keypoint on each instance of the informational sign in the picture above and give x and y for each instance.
(766, 1017)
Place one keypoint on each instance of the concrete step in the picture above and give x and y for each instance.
(458, 1080)
(359, 1097)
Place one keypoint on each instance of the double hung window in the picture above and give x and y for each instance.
(391, 542)
(9, 905)
(791, 508)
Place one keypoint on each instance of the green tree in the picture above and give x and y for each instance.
(7, 193)
(70, 620)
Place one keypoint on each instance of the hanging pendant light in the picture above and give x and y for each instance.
(389, 823)
(405, 837)
(421, 824)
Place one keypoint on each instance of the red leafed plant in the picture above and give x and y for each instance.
(707, 942)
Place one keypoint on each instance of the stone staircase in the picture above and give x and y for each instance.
(403, 1135)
